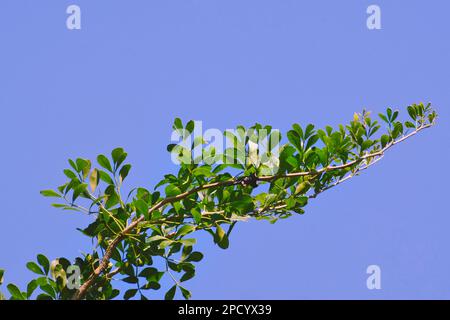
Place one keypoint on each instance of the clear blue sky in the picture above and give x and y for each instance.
(136, 65)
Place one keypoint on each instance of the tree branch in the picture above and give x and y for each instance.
(82, 291)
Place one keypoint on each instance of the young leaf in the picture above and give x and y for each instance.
(50, 193)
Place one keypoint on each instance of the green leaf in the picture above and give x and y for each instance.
(186, 293)
(398, 129)
(155, 238)
(105, 177)
(47, 288)
(141, 207)
(366, 144)
(292, 161)
(394, 116)
(73, 165)
(92, 229)
(151, 274)
(70, 174)
(186, 251)
(124, 171)
(129, 294)
(32, 285)
(2, 273)
(15, 292)
(32, 266)
(190, 126)
(130, 279)
(59, 205)
(187, 267)
(50, 193)
(177, 124)
(118, 155)
(41, 281)
(196, 214)
(79, 190)
(172, 190)
(164, 244)
(174, 266)
(389, 114)
(188, 242)
(410, 125)
(302, 188)
(170, 294)
(104, 162)
(221, 238)
(185, 230)
(431, 117)
(309, 130)
(412, 112)
(294, 138)
(148, 272)
(195, 256)
(383, 117)
(244, 204)
(152, 285)
(202, 171)
(82, 164)
(311, 141)
(384, 140)
(187, 276)
(44, 262)
(43, 296)
(298, 130)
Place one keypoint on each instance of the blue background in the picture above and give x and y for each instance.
(136, 65)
